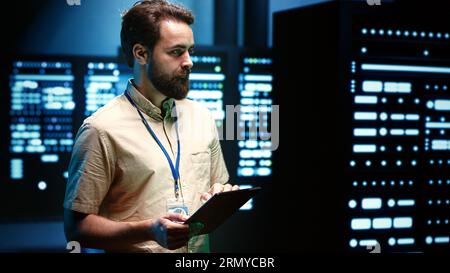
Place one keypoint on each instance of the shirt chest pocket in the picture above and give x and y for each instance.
(200, 166)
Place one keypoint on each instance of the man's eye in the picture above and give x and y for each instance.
(176, 52)
(191, 52)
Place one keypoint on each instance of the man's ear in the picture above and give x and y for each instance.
(141, 54)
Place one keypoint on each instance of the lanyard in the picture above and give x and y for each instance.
(174, 169)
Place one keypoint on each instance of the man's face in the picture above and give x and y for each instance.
(171, 63)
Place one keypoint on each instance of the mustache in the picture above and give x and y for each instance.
(185, 74)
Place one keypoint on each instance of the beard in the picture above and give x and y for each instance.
(174, 86)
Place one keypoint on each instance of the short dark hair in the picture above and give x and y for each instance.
(140, 24)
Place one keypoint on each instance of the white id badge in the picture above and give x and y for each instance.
(176, 205)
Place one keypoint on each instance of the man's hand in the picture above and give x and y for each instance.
(170, 234)
(216, 188)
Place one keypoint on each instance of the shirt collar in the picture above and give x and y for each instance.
(148, 107)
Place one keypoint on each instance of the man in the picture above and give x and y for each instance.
(146, 147)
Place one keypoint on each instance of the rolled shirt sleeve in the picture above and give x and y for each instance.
(91, 170)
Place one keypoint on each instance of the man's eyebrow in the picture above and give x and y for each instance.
(181, 46)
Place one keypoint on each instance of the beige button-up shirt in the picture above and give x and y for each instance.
(118, 171)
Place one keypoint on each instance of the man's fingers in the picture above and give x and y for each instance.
(176, 229)
(205, 196)
(175, 217)
(170, 233)
(177, 241)
(216, 188)
(227, 187)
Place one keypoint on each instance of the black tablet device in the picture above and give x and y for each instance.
(218, 209)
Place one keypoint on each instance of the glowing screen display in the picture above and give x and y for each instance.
(255, 88)
(40, 115)
(207, 83)
(399, 86)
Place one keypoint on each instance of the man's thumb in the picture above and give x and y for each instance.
(176, 217)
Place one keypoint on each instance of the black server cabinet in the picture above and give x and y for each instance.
(365, 102)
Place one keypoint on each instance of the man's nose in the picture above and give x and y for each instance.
(187, 63)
